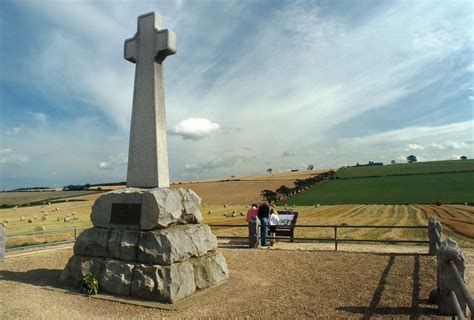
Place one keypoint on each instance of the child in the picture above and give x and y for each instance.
(274, 221)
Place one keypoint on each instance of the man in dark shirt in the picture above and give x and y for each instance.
(263, 213)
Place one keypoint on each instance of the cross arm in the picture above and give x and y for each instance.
(165, 44)
(130, 51)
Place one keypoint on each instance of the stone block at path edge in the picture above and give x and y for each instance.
(160, 207)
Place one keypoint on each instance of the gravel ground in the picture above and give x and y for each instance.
(268, 284)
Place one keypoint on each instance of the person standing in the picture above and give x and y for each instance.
(263, 213)
(253, 211)
(274, 220)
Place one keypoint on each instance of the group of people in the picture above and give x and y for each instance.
(268, 218)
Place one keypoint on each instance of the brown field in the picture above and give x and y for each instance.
(457, 220)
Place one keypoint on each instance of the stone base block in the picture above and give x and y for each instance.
(163, 283)
(161, 246)
(158, 208)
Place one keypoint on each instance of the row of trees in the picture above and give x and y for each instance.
(284, 192)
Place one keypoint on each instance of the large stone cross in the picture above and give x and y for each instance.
(148, 151)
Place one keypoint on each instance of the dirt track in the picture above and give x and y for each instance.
(269, 283)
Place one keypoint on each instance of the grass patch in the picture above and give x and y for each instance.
(22, 198)
(428, 188)
(407, 169)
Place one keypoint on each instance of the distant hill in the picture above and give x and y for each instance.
(406, 169)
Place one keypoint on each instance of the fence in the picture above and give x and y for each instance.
(451, 294)
(335, 228)
(63, 236)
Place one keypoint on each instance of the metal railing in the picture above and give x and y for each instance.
(74, 232)
(336, 239)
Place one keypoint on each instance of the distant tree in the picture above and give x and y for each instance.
(284, 191)
(393, 162)
(310, 167)
(269, 196)
(411, 159)
(269, 170)
(463, 157)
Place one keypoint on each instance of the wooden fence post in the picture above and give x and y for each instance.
(447, 282)
(434, 235)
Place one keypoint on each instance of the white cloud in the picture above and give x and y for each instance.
(8, 157)
(414, 146)
(448, 145)
(39, 117)
(14, 131)
(113, 162)
(195, 128)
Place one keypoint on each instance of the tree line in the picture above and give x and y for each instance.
(284, 192)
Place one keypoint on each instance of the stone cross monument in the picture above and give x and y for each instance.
(148, 154)
(148, 241)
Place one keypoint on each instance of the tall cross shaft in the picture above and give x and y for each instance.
(148, 151)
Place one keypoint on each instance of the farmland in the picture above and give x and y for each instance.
(406, 169)
(19, 198)
(427, 188)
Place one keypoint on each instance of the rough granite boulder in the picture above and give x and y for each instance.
(77, 267)
(174, 244)
(160, 207)
(209, 270)
(117, 277)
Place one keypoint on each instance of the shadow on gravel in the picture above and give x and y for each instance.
(415, 311)
(37, 277)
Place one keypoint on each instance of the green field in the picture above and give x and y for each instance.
(19, 198)
(407, 168)
(427, 188)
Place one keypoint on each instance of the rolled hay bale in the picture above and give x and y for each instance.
(75, 218)
(210, 212)
(242, 214)
(5, 221)
(22, 219)
(66, 219)
(44, 218)
(30, 220)
(225, 206)
(58, 219)
(35, 217)
(225, 215)
(4, 224)
(49, 203)
(40, 228)
(15, 207)
(68, 215)
(56, 209)
(233, 211)
(233, 214)
(73, 213)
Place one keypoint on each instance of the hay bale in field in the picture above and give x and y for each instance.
(68, 215)
(58, 219)
(35, 217)
(66, 219)
(15, 207)
(233, 214)
(73, 213)
(225, 206)
(4, 224)
(57, 209)
(40, 228)
(30, 220)
(210, 212)
(75, 218)
(44, 218)
(242, 214)
(49, 203)
(5, 221)
(225, 215)
(22, 219)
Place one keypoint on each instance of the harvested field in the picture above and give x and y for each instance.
(457, 220)
(18, 198)
(304, 284)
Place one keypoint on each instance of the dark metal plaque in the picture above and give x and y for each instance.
(126, 213)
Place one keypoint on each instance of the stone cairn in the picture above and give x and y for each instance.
(147, 241)
(165, 257)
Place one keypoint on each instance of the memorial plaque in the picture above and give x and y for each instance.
(126, 213)
(2, 243)
(287, 218)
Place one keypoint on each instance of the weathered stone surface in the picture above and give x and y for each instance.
(174, 244)
(148, 152)
(77, 267)
(434, 229)
(160, 207)
(92, 242)
(449, 251)
(209, 270)
(163, 283)
(117, 277)
(2, 243)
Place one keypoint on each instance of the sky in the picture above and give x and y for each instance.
(254, 85)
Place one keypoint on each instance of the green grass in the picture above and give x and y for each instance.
(428, 188)
(19, 198)
(407, 168)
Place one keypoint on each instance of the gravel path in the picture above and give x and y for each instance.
(268, 284)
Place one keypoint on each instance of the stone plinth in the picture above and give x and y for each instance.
(147, 244)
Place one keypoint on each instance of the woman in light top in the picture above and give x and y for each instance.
(274, 221)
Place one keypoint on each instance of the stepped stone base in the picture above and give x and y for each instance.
(147, 244)
(163, 283)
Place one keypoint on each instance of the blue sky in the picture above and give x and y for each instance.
(254, 84)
